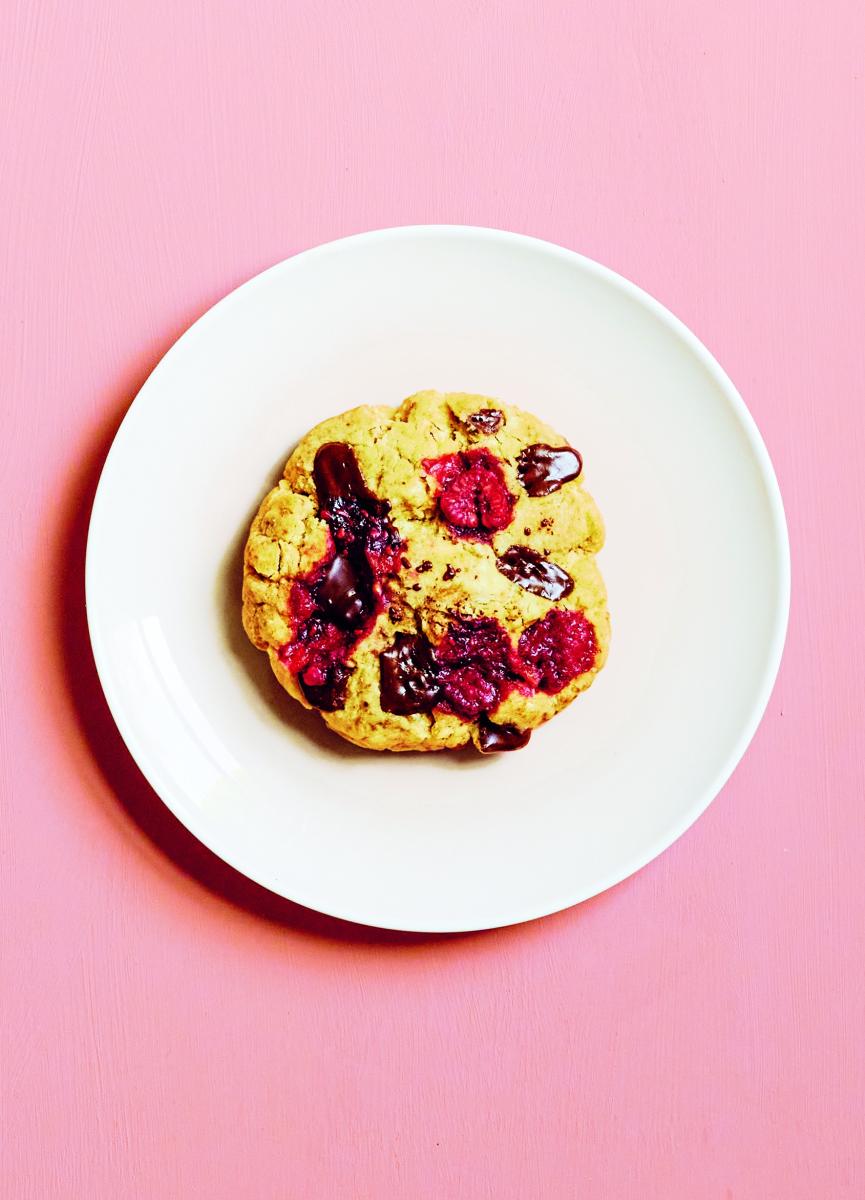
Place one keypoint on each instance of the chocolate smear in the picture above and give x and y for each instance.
(536, 574)
(543, 469)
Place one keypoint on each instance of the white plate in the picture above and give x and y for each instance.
(697, 567)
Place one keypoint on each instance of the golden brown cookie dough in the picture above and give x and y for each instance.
(436, 560)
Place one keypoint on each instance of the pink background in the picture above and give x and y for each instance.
(171, 1030)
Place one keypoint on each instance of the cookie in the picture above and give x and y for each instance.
(425, 576)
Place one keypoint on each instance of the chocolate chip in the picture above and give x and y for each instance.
(395, 613)
(543, 469)
(486, 420)
(526, 531)
(449, 572)
(547, 523)
(405, 562)
(426, 565)
(494, 738)
(337, 475)
(408, 676)
(415, 587)
(538, 575)
(328, 696)
(345, 593)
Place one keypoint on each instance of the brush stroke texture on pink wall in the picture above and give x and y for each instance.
(697, 1033)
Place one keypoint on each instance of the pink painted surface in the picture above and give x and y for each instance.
(172, 1031)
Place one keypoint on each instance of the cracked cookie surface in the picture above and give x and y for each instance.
(425, 576)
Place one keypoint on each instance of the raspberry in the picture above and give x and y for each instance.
(317, 642)
(469, 692)
(478, 666)
(474, 500)
(302, 603)
(558, 648)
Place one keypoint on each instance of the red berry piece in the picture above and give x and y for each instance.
(558, 648)
(477, 666)
(469, 692)
(474, 500)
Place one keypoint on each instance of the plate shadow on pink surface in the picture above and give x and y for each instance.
(136, 798)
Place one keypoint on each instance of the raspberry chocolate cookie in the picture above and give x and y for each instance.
(425, 576)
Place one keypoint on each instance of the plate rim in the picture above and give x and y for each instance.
(148, 763)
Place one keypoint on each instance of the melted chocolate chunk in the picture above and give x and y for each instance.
(337, 476)
(486, 420)
(345, 592)
(538, 575)
(543, 469)
(332, 607)
(408, 676)
(494, 738)
(330, 695)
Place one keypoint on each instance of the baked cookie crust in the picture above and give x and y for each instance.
(425, 576)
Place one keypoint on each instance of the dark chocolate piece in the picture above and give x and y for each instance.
(494, 738)
(345, 592)
(536, 574)
(543, 469)
(337, 476)
(328, 696)
(408, 676)
(486, 420)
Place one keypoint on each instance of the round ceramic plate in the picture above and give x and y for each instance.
(696, 564)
